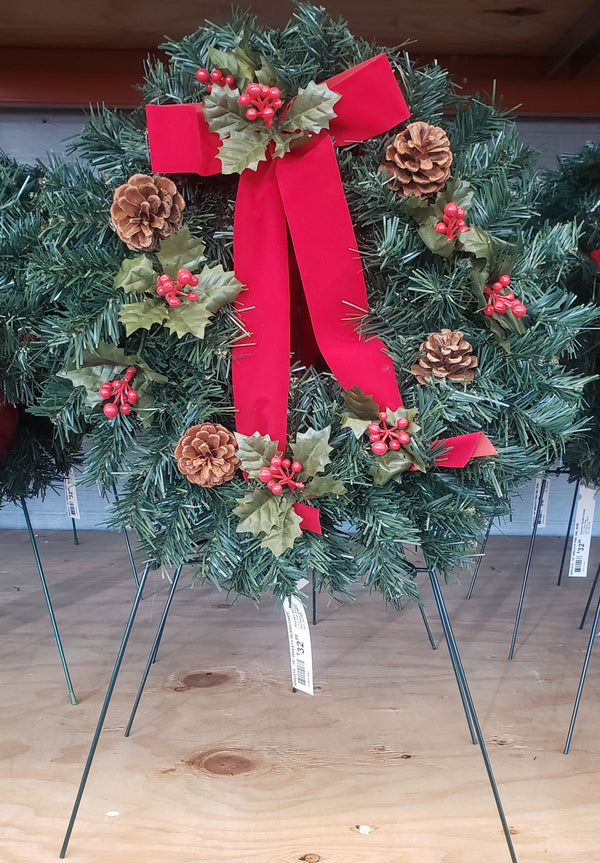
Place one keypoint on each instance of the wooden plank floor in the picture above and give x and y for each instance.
(227, 765)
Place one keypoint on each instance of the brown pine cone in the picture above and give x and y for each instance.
(418, 160)
(447, 355)
(206, 454)
(145, 210)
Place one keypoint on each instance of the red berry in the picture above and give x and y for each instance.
(125, 409)
(299, 485)
(253, 90)
(193, 280)
(251, 114)
(244, 99)
(286, 463)
(383, 416)
(403, 437)
(277, 488)
(504, 281)
(173, 301)
(463, 229)
(276, 461)
(164, 279)
(162, 290)
(264, 90)
(209, 88)
(132, 397)
(265, 474)
(509, 295)
(192, 296)
(451, 210)
(440, 227)
(183, 276)
(379, 448)
(296, 466)
(500, 307)
(374, 428)
(402, 423)
(274, 92)
(106, 390)
(373, 437)
(268, 112)
(496, 287)
(394, 444)
(216, 75)
(110, 410)
(519, 310)
(202, 75)
(489, 310)
(229, 80)
(413, 467)
(460, 212)
(130, 371)
(277, 103)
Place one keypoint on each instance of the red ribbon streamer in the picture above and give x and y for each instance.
(463, 448)
(595, 256)
(9, 419)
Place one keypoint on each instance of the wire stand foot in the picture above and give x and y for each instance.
(102, 717)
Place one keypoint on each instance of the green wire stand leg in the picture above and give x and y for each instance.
(538, 513)
(75, 537)
(569, 526)
(128, 544)
(154, 649)
(38, 561)
(586, 662)
(104, 710)
(589, 599)
(466, 695)
(481, 553)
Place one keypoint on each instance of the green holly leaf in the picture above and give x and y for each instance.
(322, 486)
(188, 318)
(135, 275)
(390, 466)
(267, 74)
(284, 534)
(357, 426)
(92, 378)
(476, 241)
(312, 450)
(223, 113)
(261, 512)
(360, 405)
(312, 109)
(255, 452)
(142, 316)
(215, 288)
(437, 243)
(244, 149)
(181, 250)
(405, 413)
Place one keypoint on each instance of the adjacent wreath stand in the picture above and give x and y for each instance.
(461, 678)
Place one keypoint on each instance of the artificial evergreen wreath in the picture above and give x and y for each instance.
(344, 457)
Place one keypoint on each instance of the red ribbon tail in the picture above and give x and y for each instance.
(463, 448)
(311, 518)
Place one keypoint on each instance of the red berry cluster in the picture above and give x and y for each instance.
(124, 395)
(171, 292)
(500, 303)
(453, 221)
(280, 473)
(261, 101)
(383, 438)
(215, 77)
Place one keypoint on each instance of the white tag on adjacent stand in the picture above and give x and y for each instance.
(71, 502)
(582, 532)
(300, 647)
(536, 497)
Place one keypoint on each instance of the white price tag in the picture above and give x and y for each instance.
(536, 497)
(300, 647)
(71, 495)
(582, 532)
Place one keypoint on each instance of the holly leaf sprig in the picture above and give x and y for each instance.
(361, 411)
(273, 517)
(245, 143)
(215, 288)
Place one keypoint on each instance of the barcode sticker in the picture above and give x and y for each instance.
(544, 508)
(71, 503)
(300, 647)
(582, 532)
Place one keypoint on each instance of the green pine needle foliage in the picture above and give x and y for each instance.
(571, 193)
(523, 397)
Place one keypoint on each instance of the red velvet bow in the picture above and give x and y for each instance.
(9, 419)
(302, 194)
